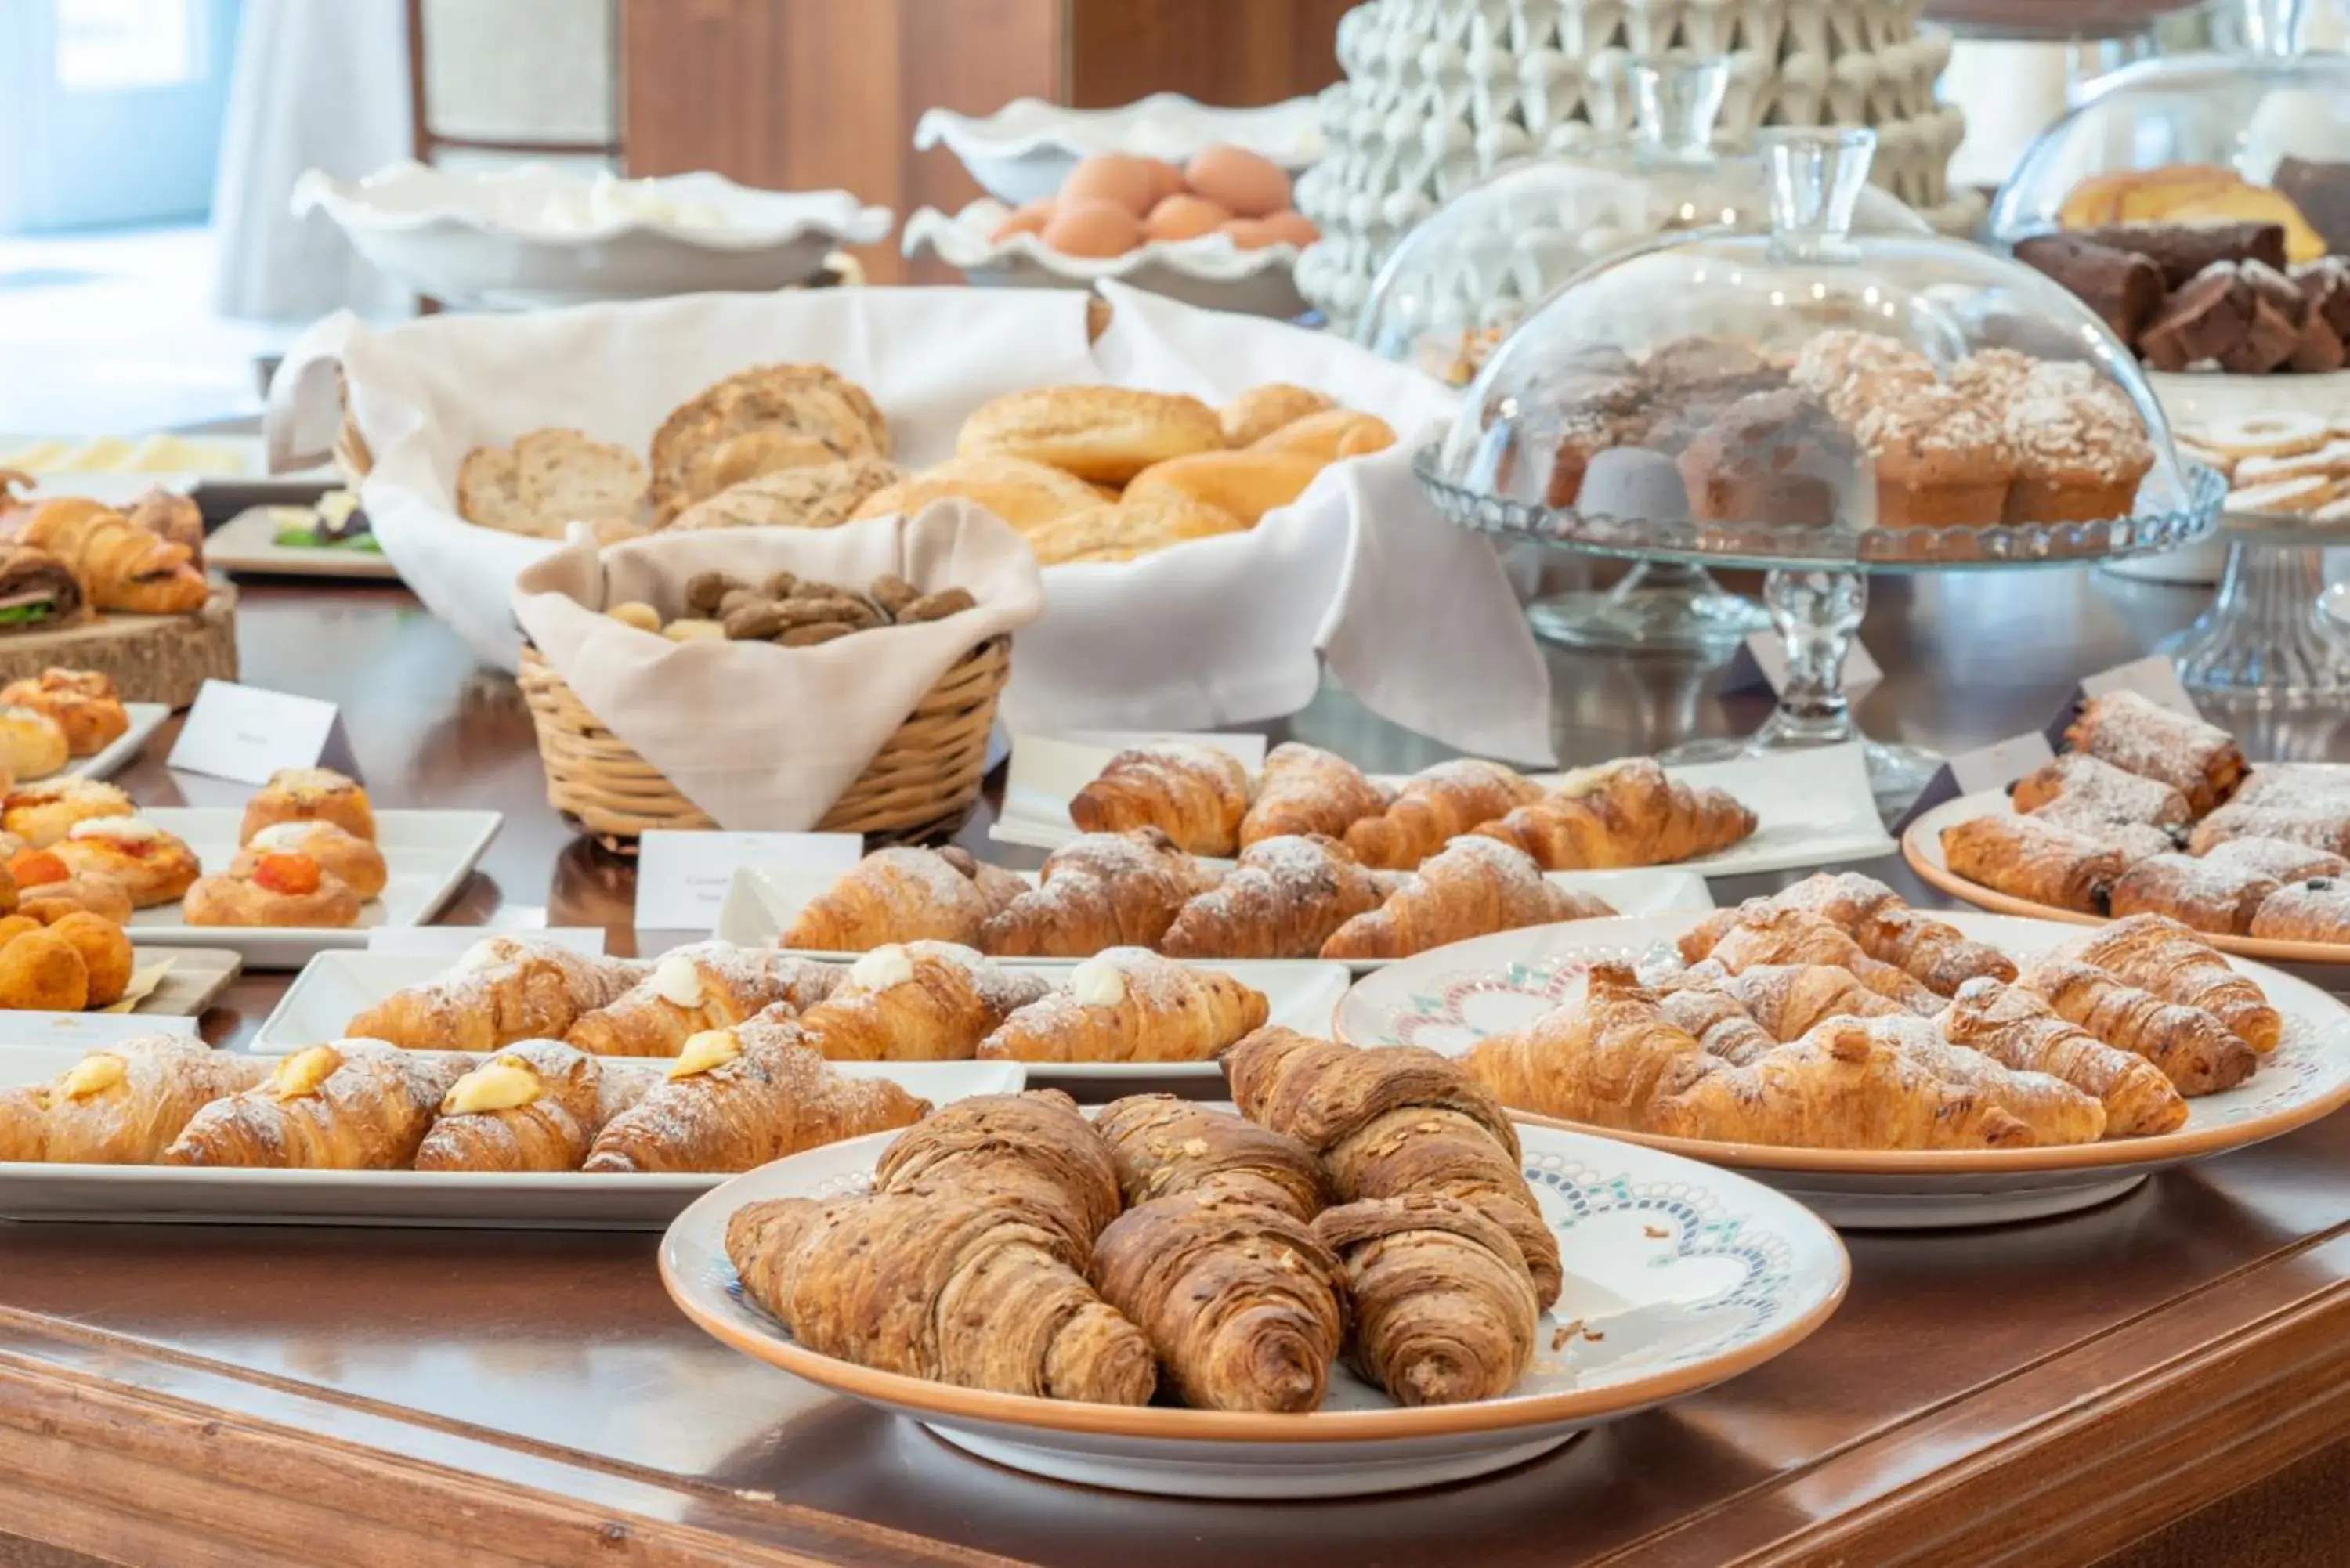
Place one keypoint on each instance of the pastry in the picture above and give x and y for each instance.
(1195, 793)
(1261, 410)
(2155, 953)
(1163, 1147)
(547, 480)
(756, 422)
(1773, 459)
(1766, 934)
(1284, 899)
(32, 744)
(1106, 434)
(1444, 1308)
(1718, 1024)
(2080, 448)
(2109, 794)
(1627, 813)
(1303, 789)
(277, 888)
(813, 495)
(2198, 893)
(1099, 891)
(2315, 911)
(2315, 822)
(37, 590)
(536, 1105)
(121, 1105)
(1329, 436)
(735, 1100)
(692, 990)
(91, 720)
(2030, 858)
(2017, 1028)
(41, 813)
(1786, 1002)
(356, 1104)
(1472, 888)
(1601, 1056)
(504, 989)
(123, 568)
(2180, 250)
(309, 795)
(2194, 1050)
(40, 971)
(351, 860)
(1942, 460)
(1122, 530)
(1027, 495)
(153, 866)
(918, 1001)
(902, 895)
(46, 890)
(1888, 930)
(1037, 1146)
(2198, 760)
(169, 515)
(2278, 857)
(1129, 1005)
(1436, 806)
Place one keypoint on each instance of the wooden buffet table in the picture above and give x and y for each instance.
(2165, 1380)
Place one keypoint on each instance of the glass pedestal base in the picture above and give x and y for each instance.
(2266, 635)
(1658, 608)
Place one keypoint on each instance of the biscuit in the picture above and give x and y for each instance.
(1248, 485)
(1026, 494)
(548, 478)
(1261, 410)
(1104, 433)
(813, 495)
(1121, 532)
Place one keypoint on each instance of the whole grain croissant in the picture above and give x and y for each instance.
(1444, 1309)
(1628, 813)
(1472, 888)
(1436, 806)
(1284, 900)
(1099, 891)
(1163, 1147)
(1196, 794)
(126, 568)
(1036, 1146)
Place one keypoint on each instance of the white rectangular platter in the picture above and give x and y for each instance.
(146, 717)
(248, 543)
(1812, 808)
(335, 987)
(567, 1201)
(763, 902)
(429, 855)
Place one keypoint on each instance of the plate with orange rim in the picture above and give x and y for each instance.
(1679, 1276)
(1450, 998)
(1921, 846)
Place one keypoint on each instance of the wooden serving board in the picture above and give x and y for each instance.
(196, 980)
(153, 658)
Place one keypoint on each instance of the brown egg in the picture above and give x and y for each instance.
(1294, 226)
(1168, 178)
(1093, 228)
(1184, 217)
(1029, 220)
(1129, 183)
(1237, 179)
(1251, 234)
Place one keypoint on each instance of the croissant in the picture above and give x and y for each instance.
(1395, 1120)
(2030, 858)
(1285, 899)
(1762, 934)
(1435, 806)
(1163, 1148)
(1628, 813)
(975, 1290)
(2017, 1029)
(1130, 1005)
(2198, 760)
(502, 991)
(2155, 953)
(923, 1002)
(1102, 890)
(536, 1105)
(1196, 794)
(1717, 1022)
(896, 895)
(709, 985)
(1445, 1311)
(2051, 1109)
(126, 568)
(736, 1098)
(1036, 1145)
(1304, 789)
(121, 1105)
(2194, 1051)
(1933, 952)
(1599, 1057)
(1788, 1001)
(357, 1104)
(1472, 888)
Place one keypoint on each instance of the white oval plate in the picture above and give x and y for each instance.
(1678, 1277)
(1449, 1000)
(1025, 150)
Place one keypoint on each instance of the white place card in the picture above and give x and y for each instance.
(246, 733)
(683, 877)
(2155, 679)
(2001, 764)
(454, 942)
(1249, 749)
(1761, 661)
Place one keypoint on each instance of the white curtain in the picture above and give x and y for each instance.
(318, 84)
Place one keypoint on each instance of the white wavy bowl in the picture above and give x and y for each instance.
(1210, 272)
(538, 235)
(1023, 151)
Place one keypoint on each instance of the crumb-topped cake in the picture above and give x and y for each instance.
(1942, 459)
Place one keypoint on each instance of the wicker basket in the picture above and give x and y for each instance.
(925, 778)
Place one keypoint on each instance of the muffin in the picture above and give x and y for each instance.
(1992, 377)
(1942, 460)
(1849, 370)
(1771, 458)
(2080, 448)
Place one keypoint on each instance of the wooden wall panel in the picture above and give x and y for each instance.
(1219, 51)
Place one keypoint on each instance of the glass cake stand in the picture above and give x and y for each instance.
(2267, 636)
(1821, 405)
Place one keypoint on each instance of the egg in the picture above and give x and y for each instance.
(1168, 179)
(1184, 217)
(1293, 226)
(1250, 234)
(1093, 228)
(1029, 220)
(1125, 181)
(1239, 180)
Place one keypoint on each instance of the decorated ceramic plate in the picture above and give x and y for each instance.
(1679, 1276)
(1450, 999)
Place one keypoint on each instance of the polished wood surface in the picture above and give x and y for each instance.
(1219, 51)
(2161, 1381)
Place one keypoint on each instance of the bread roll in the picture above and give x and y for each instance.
(1330, 435)
(1105, 433)
(1026, 494)
(1261, 410)
(1248, 485)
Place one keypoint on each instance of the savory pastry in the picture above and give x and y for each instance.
(1284, 899)
(1195, 794)
(760, 421)
(40, 971)
(2017, 1029)
(356, 1104)
(1166, 1148)
(309, 795)
(1628, 813)
(275, 889)
(902, 895)
(1601, 1056)
(153, 866)
(2315, 910)
(692, 990)
(504, 989)
(1763, 934)
(1304, 789)
(1444, 1307)
(37, 590)
(536, 1105)
(1473, 887)
(1037, 1148)
(2194, 1050)
(735, 1100)
(1101, 891)
(2028, 858)
(171, 516)
(918, 1001)
(2203, 894)
(1933, 952)
(1261, 410)
(121, 1105)
(988, 1294)
(2158, 954)
(41, 813)
(1244, 1306)
(1435, 806)
(124, 568)
(91, 719)
(1243, 484)
(1105, 434)
(46, 890)
(1392, 1121)
(341, 854)
(2198, 760)
(32, 745)
(1126, 1004)
(2110, 794)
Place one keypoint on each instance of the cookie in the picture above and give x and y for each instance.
(813, 495)
(548, 478)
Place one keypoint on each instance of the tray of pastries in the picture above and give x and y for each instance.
(2152, 812)
(1123, 1013)
(1366, 1279)
(1889, 1066)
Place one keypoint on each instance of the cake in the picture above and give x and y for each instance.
(1847, 369)
(1772, 458)
(1993, 377)
(1942, 459)
(2080, 447)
